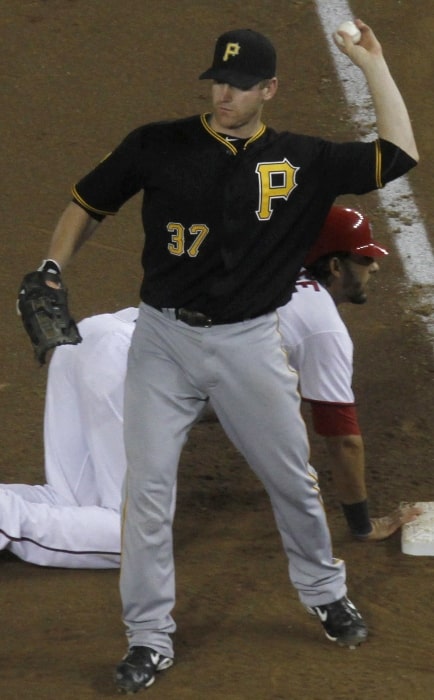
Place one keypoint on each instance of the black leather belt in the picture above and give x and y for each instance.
(193, 318)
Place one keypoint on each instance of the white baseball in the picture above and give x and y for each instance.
(351, 29)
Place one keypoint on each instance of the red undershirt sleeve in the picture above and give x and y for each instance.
(331, 419)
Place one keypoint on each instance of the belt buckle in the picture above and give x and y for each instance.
(193, 318)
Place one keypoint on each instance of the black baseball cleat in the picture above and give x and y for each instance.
(342, 622)
(138, 669)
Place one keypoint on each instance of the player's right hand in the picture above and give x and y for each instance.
(384, 527)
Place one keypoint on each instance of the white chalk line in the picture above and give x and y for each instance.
(397, 199)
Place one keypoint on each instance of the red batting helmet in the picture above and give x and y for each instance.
(345, 231)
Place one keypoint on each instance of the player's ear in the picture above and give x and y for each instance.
(270, 88)
(335, 266)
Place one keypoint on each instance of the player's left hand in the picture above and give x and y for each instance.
(43, 307)
(368, 47)
(384, 527)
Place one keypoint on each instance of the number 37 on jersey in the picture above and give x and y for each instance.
(276, 181)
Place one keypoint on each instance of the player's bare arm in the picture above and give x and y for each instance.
(393, 121)
(347, 458)
(73, 229)
(348, 470)
(42, 297)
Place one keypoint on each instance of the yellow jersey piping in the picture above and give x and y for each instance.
(87, 206)
(378, 164)
(222, 140)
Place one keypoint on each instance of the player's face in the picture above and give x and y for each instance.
(356, 271)
(238, 112)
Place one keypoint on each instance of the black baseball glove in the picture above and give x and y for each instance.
(44, 311)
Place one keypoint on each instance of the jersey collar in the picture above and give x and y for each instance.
(221, 138)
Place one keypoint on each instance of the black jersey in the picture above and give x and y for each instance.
(227, 229)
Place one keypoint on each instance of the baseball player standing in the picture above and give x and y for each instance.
(339, 267)
(230, 209)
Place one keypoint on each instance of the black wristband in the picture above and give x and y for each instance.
(357, 517)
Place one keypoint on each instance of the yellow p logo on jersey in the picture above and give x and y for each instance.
(232, 49)
(276, 181)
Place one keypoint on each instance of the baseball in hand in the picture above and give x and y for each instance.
(351, 29)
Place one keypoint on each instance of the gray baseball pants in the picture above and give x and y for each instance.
(243, 368)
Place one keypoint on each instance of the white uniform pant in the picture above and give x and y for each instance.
(41, 527)
(74, 519)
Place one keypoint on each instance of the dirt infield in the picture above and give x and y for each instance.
(76, 77)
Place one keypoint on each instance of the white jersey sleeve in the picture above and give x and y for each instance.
(318, 344)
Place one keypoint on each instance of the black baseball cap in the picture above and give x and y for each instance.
(242, 58)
